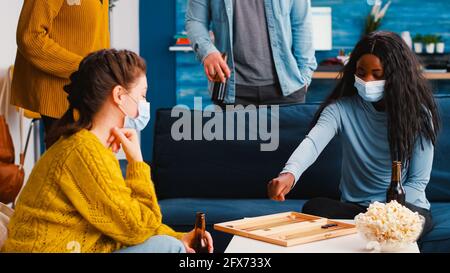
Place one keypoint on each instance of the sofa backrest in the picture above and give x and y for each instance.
(438, 189)
(238, 169)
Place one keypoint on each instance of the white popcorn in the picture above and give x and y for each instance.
(389, 224)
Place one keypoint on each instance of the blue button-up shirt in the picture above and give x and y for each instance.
(289, 24)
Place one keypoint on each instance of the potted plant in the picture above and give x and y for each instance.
(375, 17)
(440, 45)
(418, 43)
(430, 43)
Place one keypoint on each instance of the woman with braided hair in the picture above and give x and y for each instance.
(76, 199)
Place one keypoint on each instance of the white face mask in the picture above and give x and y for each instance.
(140, 122)
(370, 91)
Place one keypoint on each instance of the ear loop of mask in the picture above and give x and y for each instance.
(123, 110)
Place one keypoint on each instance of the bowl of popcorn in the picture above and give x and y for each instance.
(389, 227)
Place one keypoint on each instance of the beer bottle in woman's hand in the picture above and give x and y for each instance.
(199, 242)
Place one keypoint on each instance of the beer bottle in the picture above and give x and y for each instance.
(396, 190)
(219, 88)
(200, 243)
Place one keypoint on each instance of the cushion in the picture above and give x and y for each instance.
(441, 219)
(181, 212)
(438, 189)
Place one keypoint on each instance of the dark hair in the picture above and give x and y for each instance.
(409, 101)
(90, 86)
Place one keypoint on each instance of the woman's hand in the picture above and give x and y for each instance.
(279, 187)
(188, 237)
(215, 64)
(128, 139)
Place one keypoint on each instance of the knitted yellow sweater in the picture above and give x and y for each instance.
(76, 200)
(53, 36)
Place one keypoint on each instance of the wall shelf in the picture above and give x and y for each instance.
(181, 48)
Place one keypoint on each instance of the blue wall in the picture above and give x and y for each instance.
(177, 77)
(157, 27)
(417, 16)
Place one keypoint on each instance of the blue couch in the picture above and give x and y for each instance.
(227, 179)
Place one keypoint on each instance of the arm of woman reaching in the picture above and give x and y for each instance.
(306, 153)
(419, 173)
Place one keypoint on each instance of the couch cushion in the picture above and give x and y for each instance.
(438, 240)
(181, 212)
(441, 219)
(438, 189)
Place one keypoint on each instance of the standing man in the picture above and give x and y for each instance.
(53, 36)
(269, 44)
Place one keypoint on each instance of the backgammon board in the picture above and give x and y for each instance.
(287, 229)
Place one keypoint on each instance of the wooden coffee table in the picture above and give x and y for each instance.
(346, 244)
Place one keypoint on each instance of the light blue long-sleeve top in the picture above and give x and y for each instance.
(366, 162)
(289, 24)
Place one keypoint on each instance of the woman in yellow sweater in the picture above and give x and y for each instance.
(76, 199)
(52, 38)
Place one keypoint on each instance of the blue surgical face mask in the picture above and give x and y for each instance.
(140, 122)
(370, 91)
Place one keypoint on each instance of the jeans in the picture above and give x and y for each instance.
(156, 244)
